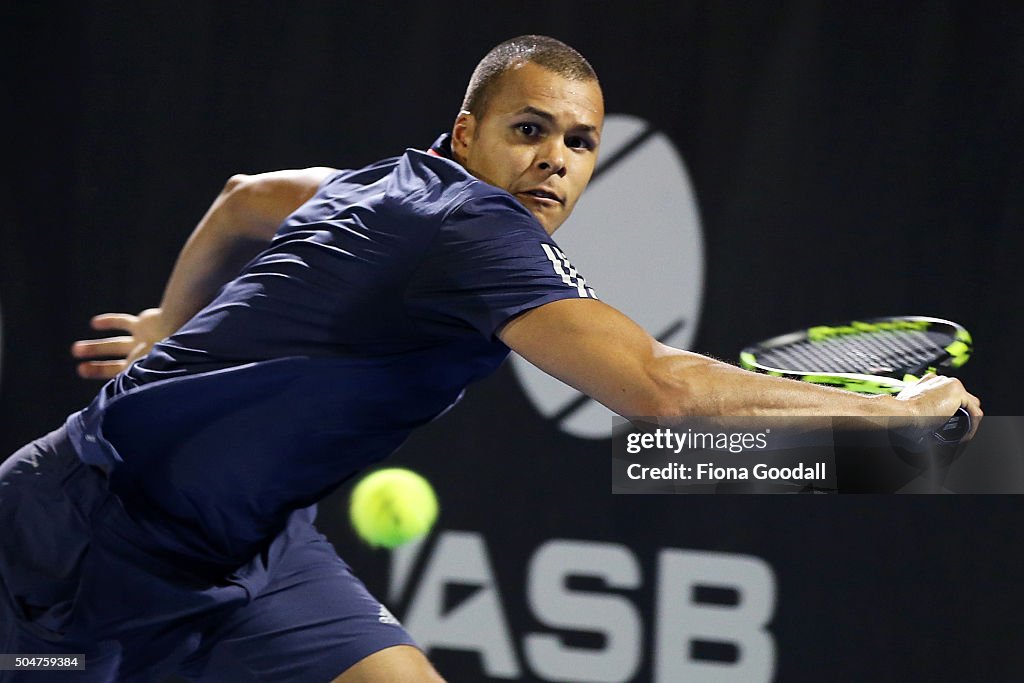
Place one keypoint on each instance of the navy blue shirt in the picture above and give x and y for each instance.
(374, 306)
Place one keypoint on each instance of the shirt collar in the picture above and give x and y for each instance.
(442, 147)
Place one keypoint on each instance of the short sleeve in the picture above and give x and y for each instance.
(490, 261)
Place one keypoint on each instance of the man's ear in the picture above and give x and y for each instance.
(462, 134)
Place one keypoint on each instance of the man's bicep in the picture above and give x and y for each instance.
(592, 347)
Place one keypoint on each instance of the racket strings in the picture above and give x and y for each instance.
(877, 353)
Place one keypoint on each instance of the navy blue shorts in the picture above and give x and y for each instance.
(78, 576)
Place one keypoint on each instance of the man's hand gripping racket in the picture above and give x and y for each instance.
(900, 356)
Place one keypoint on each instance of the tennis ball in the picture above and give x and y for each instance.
(392, 506)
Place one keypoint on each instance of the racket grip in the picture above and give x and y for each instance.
(955, 429)
(910, 444)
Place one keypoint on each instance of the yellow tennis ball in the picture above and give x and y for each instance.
(392, 506)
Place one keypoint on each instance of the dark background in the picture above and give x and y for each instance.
(849, 160)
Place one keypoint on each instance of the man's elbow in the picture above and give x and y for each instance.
(653, 397)
(677, 387)
(234, 182)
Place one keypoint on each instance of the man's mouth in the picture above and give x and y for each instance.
(543, 195)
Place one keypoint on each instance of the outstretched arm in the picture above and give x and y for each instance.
(239, 223)
(598, 350)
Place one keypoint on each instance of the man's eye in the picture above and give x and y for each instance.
(528, 129)
(579, 143)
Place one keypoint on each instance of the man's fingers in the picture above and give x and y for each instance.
(100, 369)
(973, 406)
(95, 348)
(105, 358)
(114, 321)
(931, 378)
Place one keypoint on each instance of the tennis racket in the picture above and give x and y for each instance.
(872, 356)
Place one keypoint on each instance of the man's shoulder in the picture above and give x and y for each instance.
(424, 177)
(421, 184)
(341, 179)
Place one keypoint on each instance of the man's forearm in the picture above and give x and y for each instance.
(703, 386)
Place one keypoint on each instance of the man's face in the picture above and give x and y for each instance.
(537, 139)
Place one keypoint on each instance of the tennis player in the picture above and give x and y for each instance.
(312, 321)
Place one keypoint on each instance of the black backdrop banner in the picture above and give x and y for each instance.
(820, 162)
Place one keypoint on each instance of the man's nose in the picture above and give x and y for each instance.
(552, 158)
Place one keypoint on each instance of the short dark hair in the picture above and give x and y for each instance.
(543, 51)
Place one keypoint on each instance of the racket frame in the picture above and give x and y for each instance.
(958, 351)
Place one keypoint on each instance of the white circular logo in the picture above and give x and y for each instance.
(635, 235)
